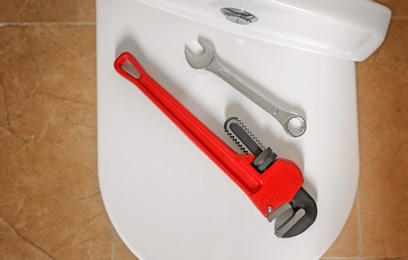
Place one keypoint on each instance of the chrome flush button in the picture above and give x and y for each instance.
(238, 16)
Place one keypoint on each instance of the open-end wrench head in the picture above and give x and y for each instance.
(302, 215)
(199, 59)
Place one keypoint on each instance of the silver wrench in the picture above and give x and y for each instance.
(293, 124)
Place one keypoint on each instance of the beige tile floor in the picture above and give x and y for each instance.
(50, 205)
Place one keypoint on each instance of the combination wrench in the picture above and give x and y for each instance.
(294, 125)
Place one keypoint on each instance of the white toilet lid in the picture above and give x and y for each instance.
(167, 199)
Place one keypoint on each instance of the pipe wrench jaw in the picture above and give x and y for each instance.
(283, 199)
(281, 195)
(297, 216)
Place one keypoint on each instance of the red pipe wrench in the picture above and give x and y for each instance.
(272, 190)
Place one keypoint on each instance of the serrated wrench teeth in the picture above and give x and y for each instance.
(243, 137)
(282, 229)
(279, 212)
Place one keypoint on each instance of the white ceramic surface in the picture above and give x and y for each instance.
(165, 198)
(347, 29)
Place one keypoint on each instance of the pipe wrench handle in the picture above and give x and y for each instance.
(237, 166)
(268, 191)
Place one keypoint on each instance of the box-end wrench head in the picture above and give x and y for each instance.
(294, 125)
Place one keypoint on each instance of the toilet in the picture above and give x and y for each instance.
(165, 198)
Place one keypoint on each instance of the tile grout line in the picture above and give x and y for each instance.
(359, 227)
(362, 258)
(113, 243)
(47, 24)
(401, 17)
